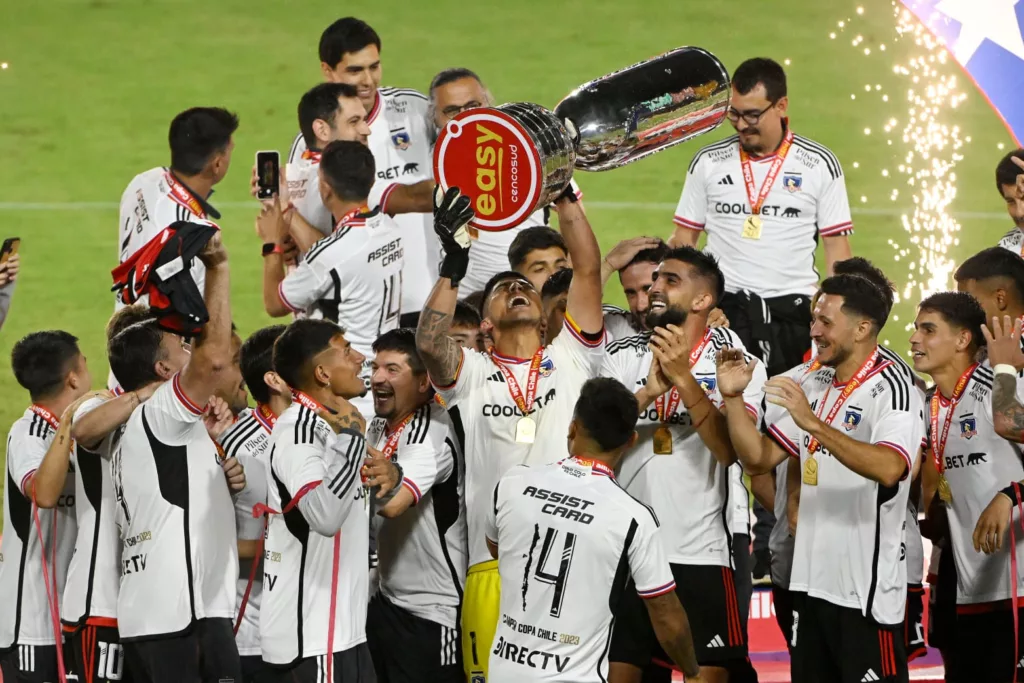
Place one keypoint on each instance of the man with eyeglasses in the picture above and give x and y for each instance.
(452, 92)
(764, 197)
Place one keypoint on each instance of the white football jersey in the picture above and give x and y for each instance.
(569, 539)
(1013, 241)
(298, 562)
(179, 552)
(24, 607)
(737, 516)
(855, 559)
(688, 488)
(95, 570)
(480, 398)
(808, 199)
(248, 439)
(355, 277)
(422, 552)
(978, 462)
(304, 191)
(619, 323)
(400, 142)
(488, 253)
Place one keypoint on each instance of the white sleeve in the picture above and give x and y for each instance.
(619, 364)
(491, 521)
(25, 452)
(753, 395)
(87, 407)
(249, 528)
(900, 427)
(647, 561)
(471, 374)
(171, 414)
(777, 424)
(833, 216)
(691, 212)
(304, 286)
(297, 149)
(321, 481)
(586, 351)
(424, 463)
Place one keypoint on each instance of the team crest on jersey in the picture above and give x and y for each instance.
(478, 678)
(792, 182)
(852, 419)
(400, 138)
(968, 426)
(546, 367)
(707, 384)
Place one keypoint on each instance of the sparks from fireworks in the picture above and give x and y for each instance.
(928, 150)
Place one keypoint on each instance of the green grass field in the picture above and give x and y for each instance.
(93, 84)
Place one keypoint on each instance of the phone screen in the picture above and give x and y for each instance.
(9, 249)
(268, 174)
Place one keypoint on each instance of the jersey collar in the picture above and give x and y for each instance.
(596, 467)
(356, 218)
(206, 206)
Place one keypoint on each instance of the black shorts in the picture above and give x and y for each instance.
(255, 670)
(96, 654)
(913, 623)
(783, 599)
(30, 664)
(708, 595)
(408, 649)
(841, 645)
(942, 606)
(784, 340)
(983, 648)
(207, 651)
(353, 665)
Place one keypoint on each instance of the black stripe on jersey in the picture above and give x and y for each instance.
(447, 506)
(885, 494)
(982, 380)
(39, 427)
(834, 168)
(321, 245)
(21, 518)
(341, 483)
(295, 147)
(419, 427)
(728, 142)
(888, 354)
(403, 91)
(657, 523)
(638, 341)
(89, 466)
(305, 426)
(127, 237)
(171, 465)
(239, 433)
(608, 308)
(496, 377)
(621, 583)
(899, 389)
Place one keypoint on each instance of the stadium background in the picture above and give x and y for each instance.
(91, 87)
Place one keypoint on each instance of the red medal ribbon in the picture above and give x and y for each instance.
(310, 155)
(265, 416)
(850, 387)
(596, 465)
(181, 195)
(532, 381)
(391, 445)
(773, 172)
(939, 442)
(308, 401)
(46, 415)
(666, 411)
(344, 220)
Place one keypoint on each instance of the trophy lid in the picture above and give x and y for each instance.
(647, 107)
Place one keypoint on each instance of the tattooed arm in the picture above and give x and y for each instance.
(1007, 411)
(441, 354)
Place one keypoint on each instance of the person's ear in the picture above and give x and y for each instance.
(276, 383)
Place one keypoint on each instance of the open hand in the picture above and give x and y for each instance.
(672, 350)
(785, 392)
(379, 472)
(734, 372)
(1003, 342)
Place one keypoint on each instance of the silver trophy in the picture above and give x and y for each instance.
(516, 158)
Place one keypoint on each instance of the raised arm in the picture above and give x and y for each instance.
(211, 359)
(90, 429)
(837, 248)
(415, 198)
(1003, 342)
(584, 302)
(758, 453)
(48, 481)
(884, 462)
(441, 354)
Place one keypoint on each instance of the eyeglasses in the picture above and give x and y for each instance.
(749, 117)
(454, 110)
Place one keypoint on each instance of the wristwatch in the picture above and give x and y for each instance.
(272, 248)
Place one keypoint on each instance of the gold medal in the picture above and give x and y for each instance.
(663, 440)
(811, 472)
(945, 493)
(526, 430)
(752, 228)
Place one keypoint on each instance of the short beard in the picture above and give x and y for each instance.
(840, 356)
(670, 316)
